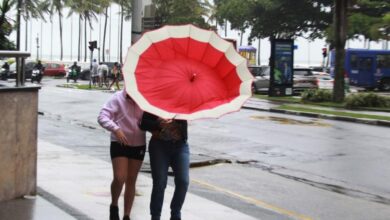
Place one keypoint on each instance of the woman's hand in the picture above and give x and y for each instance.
(121, 137)
(165, 122)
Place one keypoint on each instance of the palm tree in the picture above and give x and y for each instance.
(32, 9)
(87, 10)
(56, 6)
(105, 4)
(5, 25)
(126, 15)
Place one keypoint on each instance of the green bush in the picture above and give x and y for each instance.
(317, 95)
(366, 100)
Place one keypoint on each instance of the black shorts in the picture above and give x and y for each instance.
(131, 152)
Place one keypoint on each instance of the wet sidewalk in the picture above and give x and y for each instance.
(76, 186)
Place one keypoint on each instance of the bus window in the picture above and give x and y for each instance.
(365, 63)
(383, 61)
(354, 61)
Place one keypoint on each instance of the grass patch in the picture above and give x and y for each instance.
(336, 113)
(86, 86)
(289, 99)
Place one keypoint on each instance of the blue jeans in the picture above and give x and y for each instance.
(162, 155)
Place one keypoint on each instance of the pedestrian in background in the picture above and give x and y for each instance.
(116, 71)
(167, 148)
(121, 115)
(102, 74)
(5, 71)
(94, 72)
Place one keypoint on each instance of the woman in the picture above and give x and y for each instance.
(121, 116)
(116, 71)
(167, 148)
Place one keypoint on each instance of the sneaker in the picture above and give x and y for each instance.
(126, 217)
(114, 213)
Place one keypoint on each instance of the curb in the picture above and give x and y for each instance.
(323, 116)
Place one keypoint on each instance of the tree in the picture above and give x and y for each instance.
(290, 19)
(340, 22)
(105, 5)
(56, 7)
(31, 9)
(87, 10)
(126, 11)
(5, 25)
(236, 12)
(181, 12)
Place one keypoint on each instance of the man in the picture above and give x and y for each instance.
(167, 148)
(74, 72)
(39, 66)
(5, 71)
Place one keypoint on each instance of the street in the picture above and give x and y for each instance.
(270, 166)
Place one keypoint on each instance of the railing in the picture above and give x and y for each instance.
(20, 59)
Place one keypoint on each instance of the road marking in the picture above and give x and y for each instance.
(254, 201)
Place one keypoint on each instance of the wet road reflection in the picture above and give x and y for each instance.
(290, 121)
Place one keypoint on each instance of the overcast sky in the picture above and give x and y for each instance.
(308, 53)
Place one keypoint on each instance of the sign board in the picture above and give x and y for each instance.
(282, 64)
(151, 23)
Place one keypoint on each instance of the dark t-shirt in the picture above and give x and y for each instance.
(174, 131)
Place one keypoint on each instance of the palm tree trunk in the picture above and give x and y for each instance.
(258, 52)
(51, 40)
(104, 34)
(121, 36)
(85, 40)
(60, 21)
(25, 40)
(225, 27)
(71, 37)
(79, 45)
(19, 5)
(241, 35)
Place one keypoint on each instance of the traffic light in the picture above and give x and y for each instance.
(92, 45)
(324, 52)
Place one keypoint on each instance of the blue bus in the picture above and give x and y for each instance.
(366, 68)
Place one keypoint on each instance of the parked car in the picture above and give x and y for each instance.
(262, 77)
(303, 79)
(325, 82)
(85, 73)
(54, 69)
(320, 69)
(28, 67)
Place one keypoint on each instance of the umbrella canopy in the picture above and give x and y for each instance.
(185, 72)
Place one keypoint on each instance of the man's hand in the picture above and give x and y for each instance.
(121, 137)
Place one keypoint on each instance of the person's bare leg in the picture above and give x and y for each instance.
(117, 84)
(120, 166)
(132, 173)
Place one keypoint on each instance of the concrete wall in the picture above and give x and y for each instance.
(18, 142)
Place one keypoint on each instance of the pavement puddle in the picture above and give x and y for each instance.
(289, 121)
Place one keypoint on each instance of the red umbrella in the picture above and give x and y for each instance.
(185, 72)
